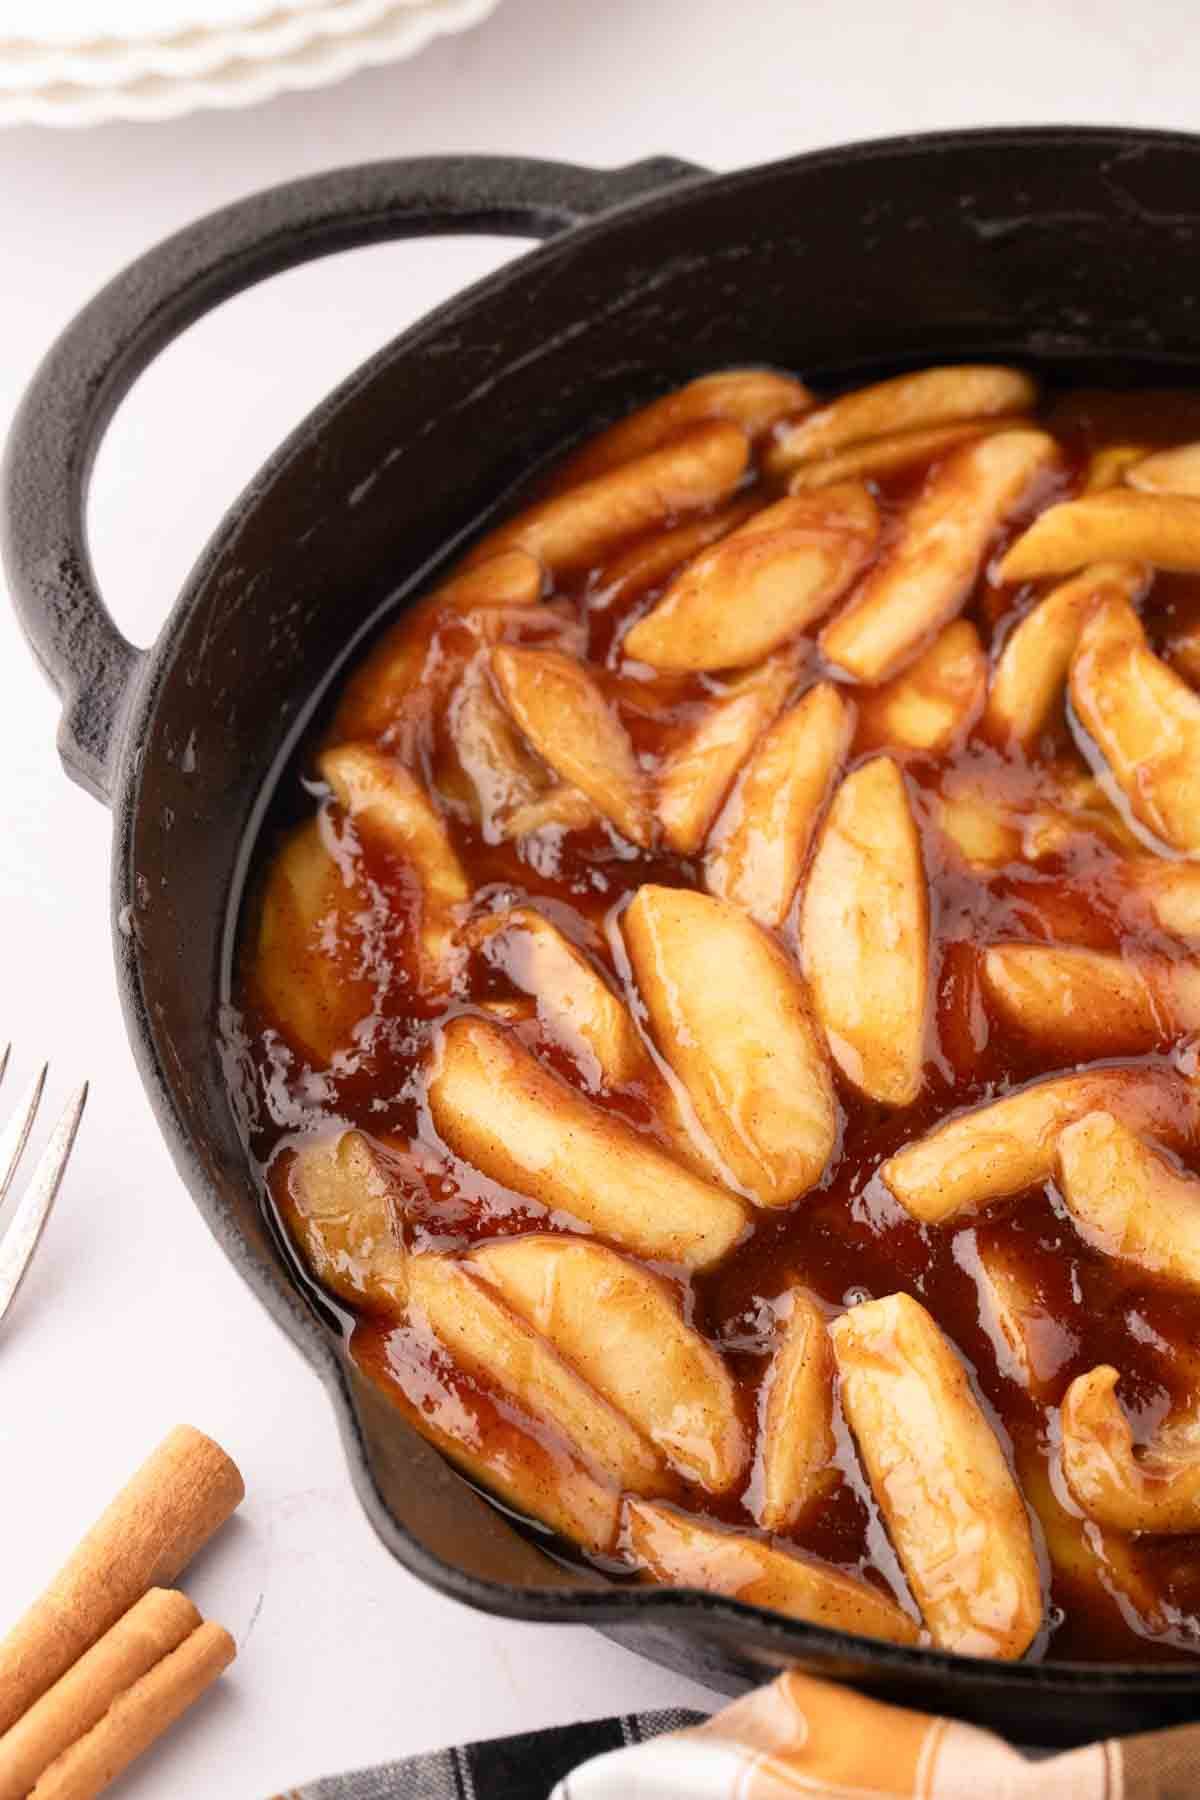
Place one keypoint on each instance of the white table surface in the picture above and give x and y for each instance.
(131, 1319)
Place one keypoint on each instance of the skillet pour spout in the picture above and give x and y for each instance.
(1071, 251)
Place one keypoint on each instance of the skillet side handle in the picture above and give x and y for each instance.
(68, 405)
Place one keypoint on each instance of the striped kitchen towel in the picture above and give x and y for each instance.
(795, 1737)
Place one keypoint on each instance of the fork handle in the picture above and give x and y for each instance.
(74, 394)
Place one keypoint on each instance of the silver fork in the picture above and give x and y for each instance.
(19, 1242)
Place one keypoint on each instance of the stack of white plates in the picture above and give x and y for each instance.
(76, 62)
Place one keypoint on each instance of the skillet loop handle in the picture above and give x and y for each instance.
(74, 394)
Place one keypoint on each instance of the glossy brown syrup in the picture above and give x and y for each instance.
(1130, 1600)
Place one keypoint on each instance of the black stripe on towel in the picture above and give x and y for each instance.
(525, 1767)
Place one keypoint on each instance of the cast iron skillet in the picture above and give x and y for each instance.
(1073, 250)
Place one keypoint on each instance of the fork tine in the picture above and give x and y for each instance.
(4, 1056)
(21, 1239)
(16, 1133)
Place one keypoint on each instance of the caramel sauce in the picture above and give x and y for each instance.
(1138, 1601)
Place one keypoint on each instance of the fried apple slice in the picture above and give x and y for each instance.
(1077, 802)
(1031, 673)
(510, 578)
(983, 832)
(484, 1432)
(1155, 1490)
(865, 934)
(387, 802)
(997, 1149)
(1168, 471)
(730, 1015)
(1089, 1003)
(578, 1010)
(647, 563)
(486, 1337)
(679, 1550)
(935, 701)
(337, 1203)
(696, 775)
(1128, 1203)
(760, 843)
(1170, 890)
(1144, 720)
(761, 584)
(306, 969)
(619, 1326)
(569, 723)
(906, 403)
(699, 467)
(881, 457)
(926, 576)
(1182, 650)
(1106, 1562)
(1106, 467)
(574, 1002)
(1118, 524)
(560, 808)
(497, 1107)
(796, 1417)
(751, 398)
(1014, 1318)
(952, 1508)
(990, 829)
(510, 1012)
(375, 695)
(503, 773)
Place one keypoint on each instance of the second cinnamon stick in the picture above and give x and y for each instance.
(157, 1624)
(138, 1716)
(156, 1524)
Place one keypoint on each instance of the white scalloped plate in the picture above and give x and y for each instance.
(72, 22)
(284, 49)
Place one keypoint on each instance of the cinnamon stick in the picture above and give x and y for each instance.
(181, 1494)
(138, 1716)
(156, 1625)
